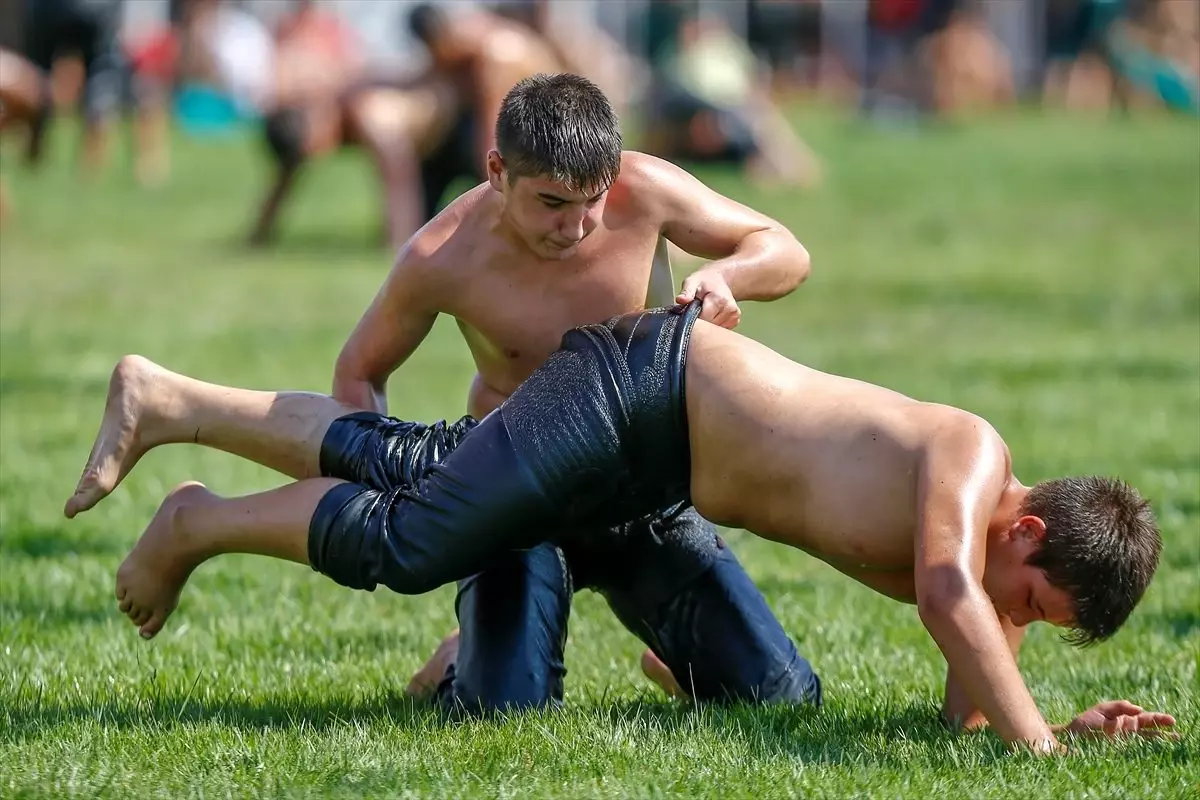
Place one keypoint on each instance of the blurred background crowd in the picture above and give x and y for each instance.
(416, 85)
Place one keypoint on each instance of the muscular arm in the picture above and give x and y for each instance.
(961, 478)
(395, 324)
(958, 709)
(757, 257)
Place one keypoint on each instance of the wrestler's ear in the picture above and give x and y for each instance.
(496, 170)
(1030, 529)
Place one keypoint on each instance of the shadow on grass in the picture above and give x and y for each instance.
(33, 713)
(63, 610)
(1181, 622)
(833, 734)
(830, 736)
(859, 736)
(37, 541)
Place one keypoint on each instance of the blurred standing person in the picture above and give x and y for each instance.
(482, 55)
(786, 34)
(969, 70)
(88, 30)
(226, 58)
(581, 46)
(711, 104)
(896, 33)
(152, 56)
(327, 98)
(24, 99)
(1076, 69)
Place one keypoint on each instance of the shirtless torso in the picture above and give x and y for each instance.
(610, 275)
(832, 463)
(512, 307)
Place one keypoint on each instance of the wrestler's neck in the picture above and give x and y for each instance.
(1008, 510)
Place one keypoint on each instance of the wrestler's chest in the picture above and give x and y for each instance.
(523, 319)
(519, 338)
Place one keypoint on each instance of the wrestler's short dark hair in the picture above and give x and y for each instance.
(561, 127)
(425, 21)
(1101, 547)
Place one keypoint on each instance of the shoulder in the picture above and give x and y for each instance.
(645, 171)
(440, 246)
(651, 185)
(966, 438)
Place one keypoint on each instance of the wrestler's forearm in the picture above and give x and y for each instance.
(360, 394)
(959, 711)
(964, 626)
(766, 265)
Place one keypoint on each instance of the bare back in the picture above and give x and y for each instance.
(510, 51)
(419, 116)
(820, 462)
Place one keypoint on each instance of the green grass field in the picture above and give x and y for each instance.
(1043, 272)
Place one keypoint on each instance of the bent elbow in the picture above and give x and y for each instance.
(353, 366)
(941, 594)
(803, 265)
(799, 266)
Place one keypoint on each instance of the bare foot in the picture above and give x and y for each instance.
(425, 681)
(660, 673)
(153, 574)
(122, 438)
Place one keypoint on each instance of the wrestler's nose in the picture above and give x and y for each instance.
(571, 226)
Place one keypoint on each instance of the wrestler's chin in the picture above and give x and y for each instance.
(555, 251)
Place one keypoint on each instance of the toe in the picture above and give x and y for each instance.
(153, 626)
(126, 605)
(81, 501)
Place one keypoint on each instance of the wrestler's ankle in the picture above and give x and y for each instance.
(154, 394)
(193, 540)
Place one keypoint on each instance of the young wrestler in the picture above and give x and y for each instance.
(916, 500)
(570, 230)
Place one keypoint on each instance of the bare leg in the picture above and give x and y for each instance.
(403, 198)
(96, 136)
(151, 136)
(424, 681)
(149, 406)
(284, 179)
(193, 525)
(386, 140)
